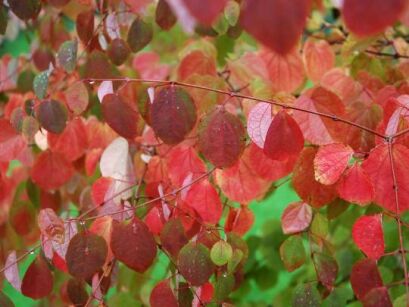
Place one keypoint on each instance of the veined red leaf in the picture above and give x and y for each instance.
(205, 12)
(278, 24)
(286, 72)
(194, 263)
(258, 123)
(38, 280)
(310, 190)
(239, 220)
(367, 233)
(362, 17)
(330, 162)
(133, 244)
(51, 170)
(296, 218)
(162, 295)
(120, 116)
(203, 197)
(318, 129)
(221, 138)
(355, 186)
(86, 255)
(284, 138)
(377, 297)
(11, 143)
(318, 58)
(378, 168)
(173, 114)
(364, 277)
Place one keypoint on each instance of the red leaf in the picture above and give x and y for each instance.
(38, 280)
(355, 186)
(133, 244)
(162, 295)
(330, 162)
(362, 17)
(310, 190)
(149, 66)
(173, 114)
(52, 115)
(99, 190)
(85, 26)
(278, 24)
(194, 263)
(296, 218)
(364, 277)
(77, 97)
(239, 220)
(203, 197)
(181, 161)
(86, 255)
(284, 138)
(258, 123)
(286, 73)
(318, 58)
(367, 233)
(221, 138)
(318, 129)
(378, 168)
(377, 297)
(120, 116)
(197, 62)
(173, 236)
(205, 11)
(11, 143)
(326, 268)
(51, 170)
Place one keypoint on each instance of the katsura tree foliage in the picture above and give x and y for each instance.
(137, 137)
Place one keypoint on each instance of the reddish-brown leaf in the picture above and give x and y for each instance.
(331, 161)
(196, 62)
(77, 97)
(173, 114)
(378, 168)
(364, 277)
(203, 197)
(355, 186)
(221, 138)
(140, 34)
(52, 115)
(377, 297)
(76, 292)
(173, 237)
(51, 170)
(310, 190)
(118, 51)
(120, 116)
(318, 58)
(367, 233)
(162, 295)
(133, 244)
(194, 263)
(206, 12)
(86, 254)
(284, 138)
(38, 280)
(25, 9)
(296, 218)
(362, 17)
(326, 268)
(85, 26)
(164, 16)
(278, 24)
(239, 220)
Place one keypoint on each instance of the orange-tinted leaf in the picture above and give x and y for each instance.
(203, 197)
(239, 220)
(140, 34)
(221, 138)
(205, 12)
(51, 170)
(330, 162)
(355, 186)
(317, 129)
(318, 58)
(286, 72)
(52, 115)
(120, 116)
(284, 138)
(378, 168)
(296, 218)
(364, 277)
(194, 263)
(377, 297)
(173, 114)
(38, 280)
(367, 233)
(133, 244)
(162, 295)
(278, 24)
(196, 62)
(362, 17)
(77, 97)
(86, 255)
(310, 190)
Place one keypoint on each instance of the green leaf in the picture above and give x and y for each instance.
(67, 55)
(40, 83)
(3, 19)
(319, 226)
(221, 253)
(338, 297)
(292, 253)
(306, 295)
(224, 286)
(234, 261)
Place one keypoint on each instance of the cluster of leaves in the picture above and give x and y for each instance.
(140, 131)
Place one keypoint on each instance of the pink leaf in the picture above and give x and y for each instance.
(105, 88)
(11, 271)
(367, 233)
(51, 225)
(296, 218)
(258, 122)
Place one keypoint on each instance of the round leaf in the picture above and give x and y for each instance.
(38, 280)
(221, 253)
(140, 34)
(52, 115)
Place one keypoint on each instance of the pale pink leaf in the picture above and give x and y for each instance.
(187, 21)
(296, 218)
(11, 271)
(258, 122)
(105, 88)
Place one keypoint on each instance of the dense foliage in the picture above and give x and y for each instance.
(139, 137)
